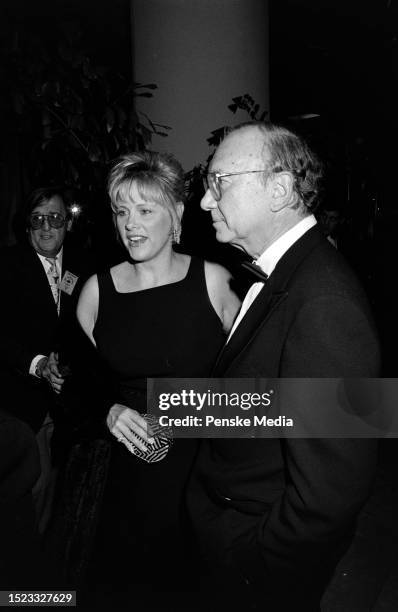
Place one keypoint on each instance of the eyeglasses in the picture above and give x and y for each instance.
(55, 220)
(213, 181)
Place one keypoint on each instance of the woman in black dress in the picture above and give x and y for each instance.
(158, 314)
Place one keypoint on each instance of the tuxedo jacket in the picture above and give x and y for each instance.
(31, 326)
(283, 510)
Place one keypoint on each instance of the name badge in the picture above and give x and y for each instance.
(68, 282)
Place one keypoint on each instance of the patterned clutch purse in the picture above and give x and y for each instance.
(163, 440)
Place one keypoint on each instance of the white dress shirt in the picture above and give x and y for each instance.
(268, 260)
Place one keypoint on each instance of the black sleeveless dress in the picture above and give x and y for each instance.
(166, 331)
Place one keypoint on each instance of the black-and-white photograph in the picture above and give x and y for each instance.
(198, 198)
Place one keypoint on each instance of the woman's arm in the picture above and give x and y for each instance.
(87, 307)
(224, 301)
(126, 424)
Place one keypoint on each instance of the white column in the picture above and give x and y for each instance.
(200, 54)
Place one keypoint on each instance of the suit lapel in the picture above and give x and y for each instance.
(35, 276)
(267, 300)
(274, 292)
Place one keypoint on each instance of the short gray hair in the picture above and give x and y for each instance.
(290, 153)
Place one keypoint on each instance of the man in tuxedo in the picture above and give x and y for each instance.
(275, 515)
(40, 281)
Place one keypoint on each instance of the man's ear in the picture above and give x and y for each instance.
(69, 225)
(283, 194)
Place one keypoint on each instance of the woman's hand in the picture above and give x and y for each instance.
(128, 426)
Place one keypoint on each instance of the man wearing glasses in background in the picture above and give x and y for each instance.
(40, 281)
(273, 516)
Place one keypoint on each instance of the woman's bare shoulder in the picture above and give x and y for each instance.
(90, 287)
(216, 273)
(223, 298)
(89, 297)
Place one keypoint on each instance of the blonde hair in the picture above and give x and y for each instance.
(158, 177)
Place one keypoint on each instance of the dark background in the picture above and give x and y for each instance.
(336, 60)
(340, 60)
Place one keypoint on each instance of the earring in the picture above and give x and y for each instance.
(176, 235)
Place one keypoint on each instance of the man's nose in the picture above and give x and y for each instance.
(208, 202)
(46, 224)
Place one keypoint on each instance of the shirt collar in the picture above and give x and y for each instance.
(58, 259)
(268, 260)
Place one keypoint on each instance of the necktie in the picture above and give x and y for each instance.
(53, 278)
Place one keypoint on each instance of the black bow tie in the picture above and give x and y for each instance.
(255, 270)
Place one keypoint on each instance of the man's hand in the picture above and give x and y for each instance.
(47, 368)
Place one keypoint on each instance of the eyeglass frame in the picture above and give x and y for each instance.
(50, 219)
(215, 187)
